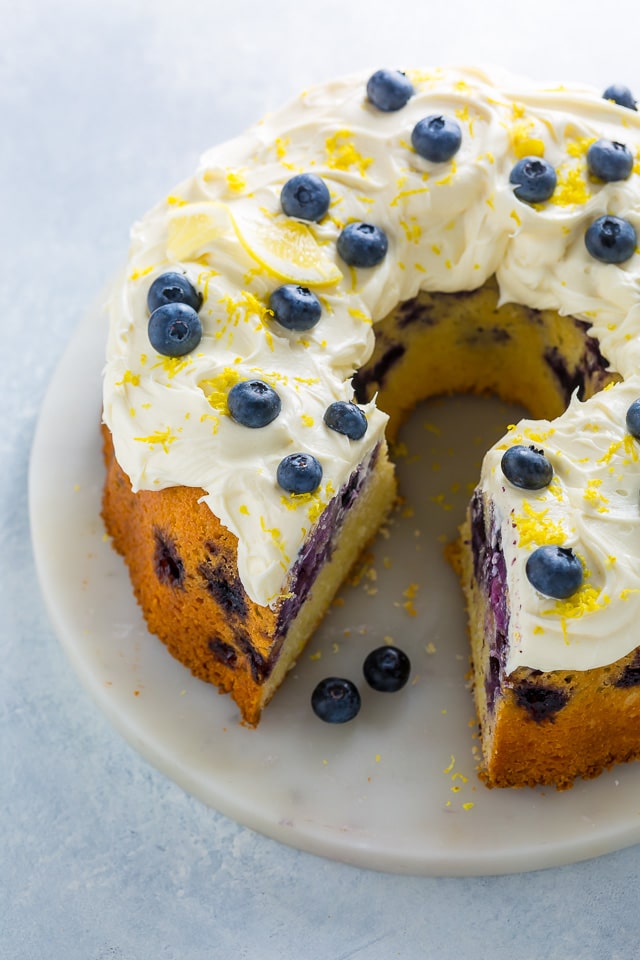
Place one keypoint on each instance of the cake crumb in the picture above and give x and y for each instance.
(430, 647)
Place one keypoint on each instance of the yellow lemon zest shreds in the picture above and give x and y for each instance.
(577, 146)
(359, 315)
(538, 436)
(216, 388)
(276, 536)
(572, 188)
(161, 438)
(137, 274)
(535, 528)
(586, 600)
(449, 176)
(307, 420)
(524, 143)
(412, 230)
(592, 495)
(404, 194)
(342, 153)
(235, 181)
(244, 509)
(626, 593)
(555, 489)
(172, 366)
(627, 444)
(128, 377)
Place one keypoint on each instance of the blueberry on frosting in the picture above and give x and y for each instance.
(299, 473)
(362, 244)
(436, 138)
(534, 179)
(526, 467)
(305, 196)
(633, 419)
(555, 571)
(253, 403)
(346, 418)
(295, 307)
(621, 95)
(389, 90)
(609, 160)
(174, 329)
(611, 239)
(173, 287)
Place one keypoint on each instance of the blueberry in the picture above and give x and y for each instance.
(362, 244)
(526, 467)
(174, 329)
(554, 571)
(620, 95)
(294, 307)
(305, 196)
(609, 160)
(346, 418)
(253, 403)
(299, 473)
(389, 90)
(534, 179)
(611, 239)
(387, 669)
(633, 419)
(173, 288)
(335, 700)
(436, 138)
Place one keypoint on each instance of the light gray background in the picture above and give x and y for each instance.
(103, 107)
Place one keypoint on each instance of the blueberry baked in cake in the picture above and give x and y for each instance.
(382, 239)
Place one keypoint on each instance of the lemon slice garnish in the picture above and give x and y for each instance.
(288, 250)
(198, 226)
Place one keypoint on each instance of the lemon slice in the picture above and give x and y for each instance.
(197, 226)
(288, 250)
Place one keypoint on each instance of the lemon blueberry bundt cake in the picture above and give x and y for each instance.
(383, 239)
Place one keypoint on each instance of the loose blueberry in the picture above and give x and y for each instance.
(526, 467)
(305, 196)
(294, 307)
(335, 700)
(620, 95)
(253, 403)
(362, 244)
(611, 239)
(554, 571)
(346, 418)
(174, 329)
(633, 419)
(173, 288)
(609, 160)
(436, 138)
(387, 669)
(299, 473)
(389, 90)
(534, 179)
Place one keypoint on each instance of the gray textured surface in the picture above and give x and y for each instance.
(104, 106)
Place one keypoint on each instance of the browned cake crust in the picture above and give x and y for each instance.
(182, 564)
(548, 728)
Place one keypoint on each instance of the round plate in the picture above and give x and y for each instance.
(396, 789)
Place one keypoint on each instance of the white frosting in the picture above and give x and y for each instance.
(450, 227)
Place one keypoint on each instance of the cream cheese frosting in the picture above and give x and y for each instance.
(450, 227)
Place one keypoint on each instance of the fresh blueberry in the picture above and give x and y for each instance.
(534, 179)
(526, 467)
(174, 329)
(346, 418)
(294, 307)
(389, 90)
(620, 95)
(554, 571)
(362, 244)
(253, 403)
(609, 160)
(387, 669)
(305, 196)
(611, 239)
(299, 473)
(633, 419)
(173, 288)
(335, 700)
(436, 138)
